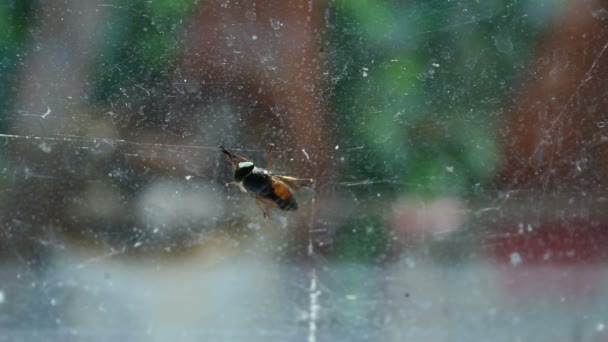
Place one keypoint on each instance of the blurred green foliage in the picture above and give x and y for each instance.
(141, 47)
(362, 239)
(422, 84)
(15, 20)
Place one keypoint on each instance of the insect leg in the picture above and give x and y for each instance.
(264, 204)
(237, 184)
(296, 182)
(263, 209)
(269, 165)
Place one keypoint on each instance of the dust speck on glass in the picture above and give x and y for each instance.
(459, 154)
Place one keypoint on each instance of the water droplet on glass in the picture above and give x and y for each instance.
(276, 24)
(250, 15)
(503, 43)
(515, 259)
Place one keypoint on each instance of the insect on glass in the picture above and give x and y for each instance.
(270, 191)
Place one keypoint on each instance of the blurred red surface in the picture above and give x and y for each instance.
(563, 259)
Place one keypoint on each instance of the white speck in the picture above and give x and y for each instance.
(254, 37)
(378, 195)
(255, 226)
(337, 147)
(137, 244)
(600, 327)
(46, 148)
(436, 65)
(351, 297)
(283, 221)
(600, 14)
(2, 298)
(250, 15)
(515, 259)
(410, 262)
(306, 154)
(276, 24)
(364, 71)
(530, 228)
(47, 113)
(188, 177)
(53, 301)
(449, 169)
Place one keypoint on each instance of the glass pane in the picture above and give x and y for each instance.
(311, 171)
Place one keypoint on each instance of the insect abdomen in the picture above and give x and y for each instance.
(289, 204)
(283, 196)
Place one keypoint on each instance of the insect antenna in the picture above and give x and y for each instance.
(232, 157)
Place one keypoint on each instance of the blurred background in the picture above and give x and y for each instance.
(459, 151)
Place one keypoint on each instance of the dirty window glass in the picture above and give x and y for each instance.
(388, 170)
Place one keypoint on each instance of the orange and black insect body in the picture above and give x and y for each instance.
(269, 190)
(260, 183)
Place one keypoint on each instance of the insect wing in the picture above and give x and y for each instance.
(295, 183)
(265, 204)
(302, 188)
